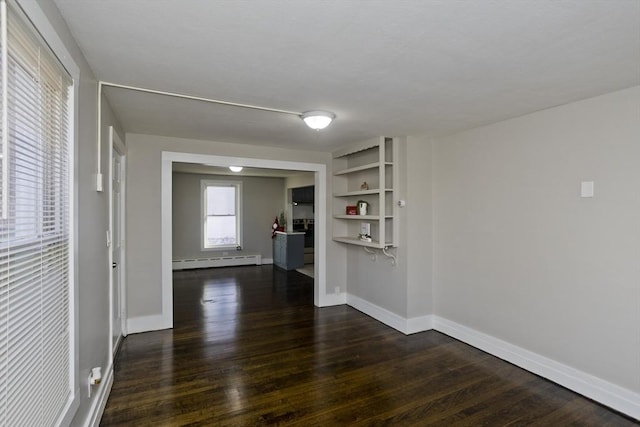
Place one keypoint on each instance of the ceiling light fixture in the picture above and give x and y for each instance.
(314, 119)
(235, 168)
(317, 119)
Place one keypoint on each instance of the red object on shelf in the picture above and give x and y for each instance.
(352, 210)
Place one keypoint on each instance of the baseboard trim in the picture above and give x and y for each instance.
(383, 315)
(609, 394)
(419, 324)
(604, 392)
(267, 261)
(136, 325)
(333, 299)
(245, 258)
(100, 399)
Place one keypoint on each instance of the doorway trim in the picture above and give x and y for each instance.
(116, 144)
(320, 297)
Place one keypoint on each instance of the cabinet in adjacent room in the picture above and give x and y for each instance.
(288, 250)
(303, 195)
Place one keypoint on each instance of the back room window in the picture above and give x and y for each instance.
(221, 214)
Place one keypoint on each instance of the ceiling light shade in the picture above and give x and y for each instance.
(318, 119)
(235, 168)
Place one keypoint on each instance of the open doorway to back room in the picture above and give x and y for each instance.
(262, 193)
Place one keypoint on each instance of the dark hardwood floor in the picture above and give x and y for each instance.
(249, 349)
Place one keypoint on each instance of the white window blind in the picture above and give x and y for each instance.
(35, 236)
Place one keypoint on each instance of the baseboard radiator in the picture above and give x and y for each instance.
(217, 261)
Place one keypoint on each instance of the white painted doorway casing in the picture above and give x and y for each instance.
(320, 297)
(116, 240)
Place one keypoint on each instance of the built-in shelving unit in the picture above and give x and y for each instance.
(371, 162)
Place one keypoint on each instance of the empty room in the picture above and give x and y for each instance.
(319, 213)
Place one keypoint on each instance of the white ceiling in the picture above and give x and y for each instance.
(383, 67)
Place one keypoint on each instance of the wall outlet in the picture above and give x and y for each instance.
(336, 289)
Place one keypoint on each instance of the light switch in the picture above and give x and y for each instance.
(586, 189)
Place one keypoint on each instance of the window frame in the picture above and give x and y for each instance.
(48, 34)
(204, 184)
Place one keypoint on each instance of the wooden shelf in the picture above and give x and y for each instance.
(363, 217)
(361, 192)
(368, 166)
(373, 162)
(356, 241)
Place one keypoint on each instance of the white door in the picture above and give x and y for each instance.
(117, 240)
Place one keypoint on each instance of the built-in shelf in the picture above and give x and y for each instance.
(369, 164)
(361, 192)
(362, 217)
(374, 165)
(357, 241)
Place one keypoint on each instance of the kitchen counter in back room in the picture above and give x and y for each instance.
(288, 250)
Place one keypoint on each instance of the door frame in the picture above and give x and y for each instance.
(320, 296)
(116, 144)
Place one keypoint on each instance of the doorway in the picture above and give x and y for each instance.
(320, 176)
(116, 240)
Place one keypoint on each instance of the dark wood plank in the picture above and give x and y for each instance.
(249, 348)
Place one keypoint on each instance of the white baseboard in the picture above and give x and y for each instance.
(381, 314)
(146, 324)
(100, 399)
(333, 299)
(611, 395)
(397, 322)
(245, 258)
(419, 324)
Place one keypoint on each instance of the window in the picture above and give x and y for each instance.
(35, 227)
(221, 214)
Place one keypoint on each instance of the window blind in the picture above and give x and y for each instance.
(35, 238)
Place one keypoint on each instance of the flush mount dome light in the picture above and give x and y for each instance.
(235, 168)
(318, 119)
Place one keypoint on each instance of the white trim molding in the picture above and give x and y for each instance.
(147, 324)
(383, 315)
(609, 394)
(320, 297)
(604, 392)
(397, 322)
(419, 324)
(334, 299)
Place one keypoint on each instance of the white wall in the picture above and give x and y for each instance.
(143, 216)
(262, 200)
(419, 224)
(520, 256)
